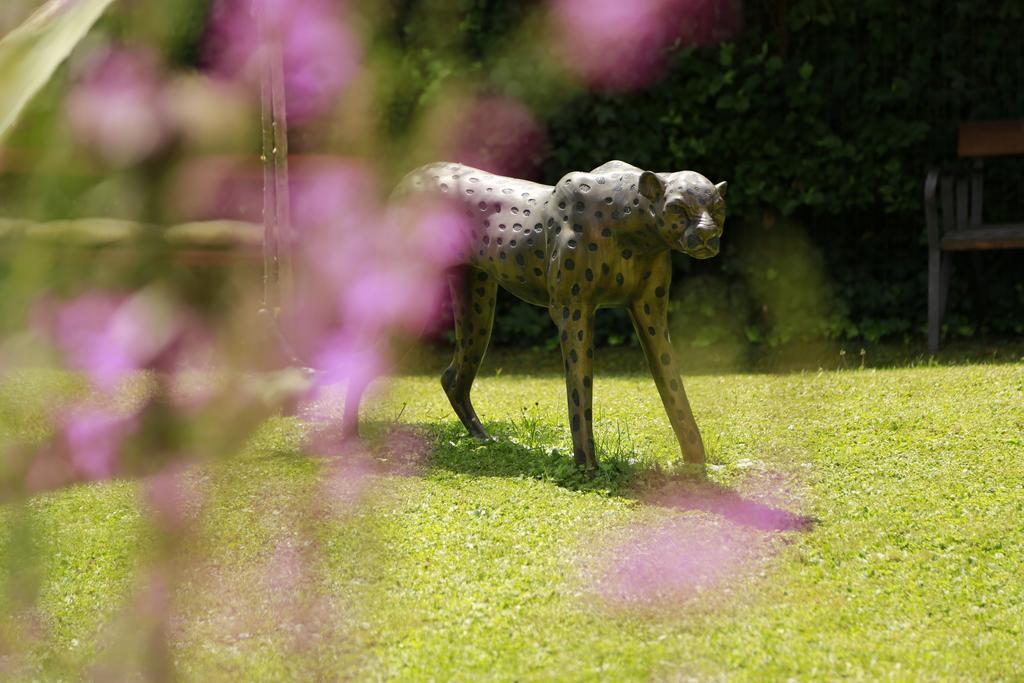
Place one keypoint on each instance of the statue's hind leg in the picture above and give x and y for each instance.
(473, 299)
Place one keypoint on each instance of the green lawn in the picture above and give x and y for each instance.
(495, 561)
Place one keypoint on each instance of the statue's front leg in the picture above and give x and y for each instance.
(575, 322)
(650, 318)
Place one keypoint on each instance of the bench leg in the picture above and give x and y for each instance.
(939, 267)
(944, 271)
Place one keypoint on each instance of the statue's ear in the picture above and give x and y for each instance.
(651, 186)
(722, 187)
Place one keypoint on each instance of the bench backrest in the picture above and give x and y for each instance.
(991, 138)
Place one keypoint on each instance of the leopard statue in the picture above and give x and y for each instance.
(594, 240)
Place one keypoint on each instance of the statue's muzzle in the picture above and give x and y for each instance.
(702, 240)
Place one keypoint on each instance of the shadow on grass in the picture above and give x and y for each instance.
(618, 475)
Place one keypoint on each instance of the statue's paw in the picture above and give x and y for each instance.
(477, 431)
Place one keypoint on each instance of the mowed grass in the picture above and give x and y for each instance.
(485, 561)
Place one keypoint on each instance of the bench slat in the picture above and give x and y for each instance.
(991, 138)
(1006, 236)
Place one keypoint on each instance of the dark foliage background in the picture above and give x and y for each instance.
(823, 116)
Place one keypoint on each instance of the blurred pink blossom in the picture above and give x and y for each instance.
(366, 271)
(115, 108)
(93, 438)
(320, 54)
(500, 135)
(728, 538)
(217, 188)
(86, 446)
(353, 466)
(303, 612)
(672, 561)
(155, 595)
(336, 212)
(617, 45)
(442, 234)
(396, 296)
(348, 357)
(767, 513)
(173, 496)
(109, 335)
(286, 569)
(347, 481)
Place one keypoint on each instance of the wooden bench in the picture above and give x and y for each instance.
(210, 243)
(953, 201)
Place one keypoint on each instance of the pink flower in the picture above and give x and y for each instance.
(761, 514)
(672, 561)
(500, 135)
(723, 536)
(347, 481)
(93, 437)
(115, 108)
(320, 54)
(365, 272)
(108, 336)
(616, 45)
(86, 446)
(82, 329)
(218, 188)
(348, 357)
(395, 297)
(437, 232)
(172, 496)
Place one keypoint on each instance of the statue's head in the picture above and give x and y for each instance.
(688, 210)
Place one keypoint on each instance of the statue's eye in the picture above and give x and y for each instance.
(677, 209)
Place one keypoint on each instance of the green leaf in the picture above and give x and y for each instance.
(32, 52)
(725, 54)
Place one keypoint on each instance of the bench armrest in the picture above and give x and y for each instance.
(952, 199)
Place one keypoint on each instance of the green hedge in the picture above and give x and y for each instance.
(823, 116)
